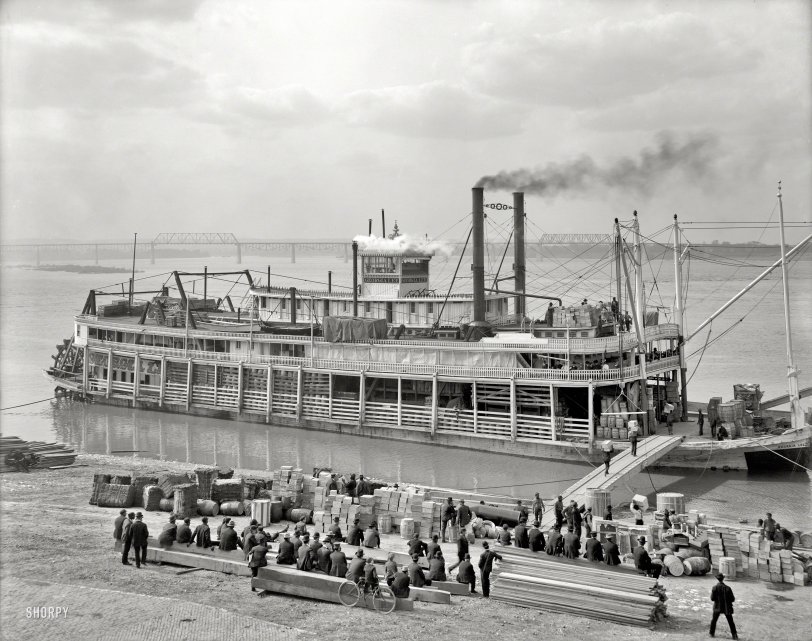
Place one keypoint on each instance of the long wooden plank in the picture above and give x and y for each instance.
(427, 595)
(320, 594)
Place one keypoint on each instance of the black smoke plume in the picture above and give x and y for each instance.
(694, 157)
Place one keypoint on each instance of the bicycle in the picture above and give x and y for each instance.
(383, 599)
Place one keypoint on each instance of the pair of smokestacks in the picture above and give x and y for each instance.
(478, 266)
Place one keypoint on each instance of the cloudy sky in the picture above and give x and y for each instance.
(275, 119)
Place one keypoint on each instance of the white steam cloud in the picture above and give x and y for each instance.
(403, 243)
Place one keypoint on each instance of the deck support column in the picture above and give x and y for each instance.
(162, 392)
(215, 384)
(362, 398)
(189, 384)
(434, 404)
(400, 401)
(85, 369)
(109, 372)
(330, 396)
(552, 414)
(475, 404)
(239, 388)
(513, 417)
(591, 412)
(269, 392)
(299, 392)
(137, 376)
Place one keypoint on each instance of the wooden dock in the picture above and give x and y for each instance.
(623, 465)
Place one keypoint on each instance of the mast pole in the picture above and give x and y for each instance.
(132, 280)
(641, 348)
(792, 372)
(639, 290)
(619, 287)
(679, 316)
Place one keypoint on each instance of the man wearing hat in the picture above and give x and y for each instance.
(247, 529)
(416, 576)
(555, 542)
(118, 524)
(323, 555)
(137, 538)
(185, 531)
(250, 541)
(169, 533)
(572, 545)
(520, 534)
(370, 576)
(611, 553)
(286, 554)
(316, 544)
(486, 567)
(228, 537)
(355, 533)
(466, 574)
(125, 533)
(338, 562)
(256, 560)
(335, 530)
(535, 538)
(594, 550)
(642, 561)
(722, 597)
(400, 584)
(202, 534)
(356, 570)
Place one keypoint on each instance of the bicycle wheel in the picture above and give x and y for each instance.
(348, 594)
(384, 600)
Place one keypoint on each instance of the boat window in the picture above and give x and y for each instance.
(412, 308)
(367, 307)
(430, 308)
(284, 304)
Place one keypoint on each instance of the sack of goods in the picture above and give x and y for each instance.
(607, 446)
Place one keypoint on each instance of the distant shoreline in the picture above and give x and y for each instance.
(80, 269)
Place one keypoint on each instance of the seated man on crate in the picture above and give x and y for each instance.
(185, 531)
(642, 561)
(400, 584)
(370, 576)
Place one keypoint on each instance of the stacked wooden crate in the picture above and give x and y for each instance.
(287, 484)
(717, 548)
(365, 510)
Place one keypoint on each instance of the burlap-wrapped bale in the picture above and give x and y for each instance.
(227, 490)
(139, 483)
(264, 494)
(98, 481)
(225, 473)
(204, 477)
(121, 479)
(152, 498)
(249, 489)
(260, 483)
(168, 481)
(115, 495)
(186, 500)
(166, 505)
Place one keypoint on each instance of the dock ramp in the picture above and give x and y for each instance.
(623, 465)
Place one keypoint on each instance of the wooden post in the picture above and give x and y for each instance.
(434, 404)
(239, 388)
(362, 398)
(215, 384)
(591, 411)
(400, 401)
(162, 393)
(137, 377)
(189, 384)
(269, 391)
(330, 396)
(109, 372)
(85, 369)
(552, 412)
(513, 417)
(299, 392)
(476, 409)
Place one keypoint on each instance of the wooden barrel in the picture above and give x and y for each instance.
(385, 523)
(727, 411)
(276, 511)
(674, 565)
(696, 565)
(232, 508)
(206, 507)
(166, 505)
(672, 501)
(598, 500)
(261, 511)
(727, 566)
(297, 514)
(406, 528)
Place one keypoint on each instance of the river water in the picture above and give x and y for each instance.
(36, 312)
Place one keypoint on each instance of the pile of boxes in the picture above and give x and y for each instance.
(289, 483)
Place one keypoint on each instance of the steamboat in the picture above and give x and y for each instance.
(391, 358)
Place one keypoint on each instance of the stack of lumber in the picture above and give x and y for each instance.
(50, 454)
(541, 582)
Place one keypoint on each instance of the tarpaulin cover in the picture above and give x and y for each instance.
(339, 329)
(413, 355)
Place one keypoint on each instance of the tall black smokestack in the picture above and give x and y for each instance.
(518, 251)
(478, 266)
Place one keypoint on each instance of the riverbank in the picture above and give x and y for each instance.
(52, 540)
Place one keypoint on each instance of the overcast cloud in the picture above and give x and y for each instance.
(299, 118)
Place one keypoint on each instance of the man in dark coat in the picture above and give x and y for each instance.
(254, 523)
(437, 567)
(504, 537)
(577, 518)
(118, 524)
(371, 537)
(722, 597)
(286, 554)
(524, 513)
(769, 527)
(607, 516)
(449, 515)
(535, 538)
(228, 538)
(400, 584)
(594, 549)
(338, 562)
(221, 526)
(363, 488)
(572, 545)
(467, 574)
(611, 553)
(137, 537)
(350, 486)
(642, 561)
(355, 533)
(257, 560)
(370, 576)
(125, 532)
(416, 576)
(569, 515)
(486, 567)
(463, 514)
(558, 509)
(323, 557)
(296, 541)
(202, 534)
(316, 544)
(169, 533)
(335, 531)
(433, 546)
(520, 535)
(462, 545)
(333, 484)
(185, 531)
(555, 542)
(305, 558)
(250, 541)
(417, 546)
(356, 570)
